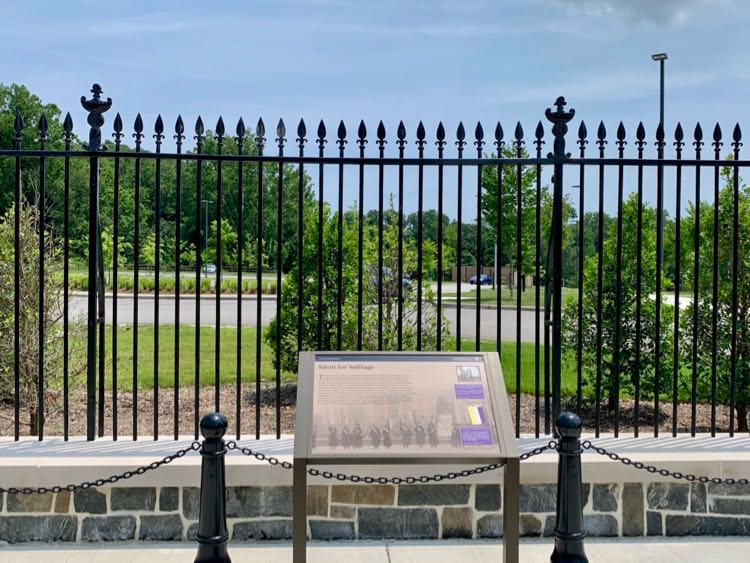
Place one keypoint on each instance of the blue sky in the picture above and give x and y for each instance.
(431, 60)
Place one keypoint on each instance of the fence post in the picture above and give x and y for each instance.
(212, 522)
(559, 119)
(569, 532)
(95, 108)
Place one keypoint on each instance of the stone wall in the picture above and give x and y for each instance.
(374, 512)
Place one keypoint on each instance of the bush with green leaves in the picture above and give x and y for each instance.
(631, 367)
(726, 382)
(323, 335)
(51, 319)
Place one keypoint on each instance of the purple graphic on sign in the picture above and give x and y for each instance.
(469, 391)
(476, 436)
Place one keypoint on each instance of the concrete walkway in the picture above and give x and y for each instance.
(662, 550)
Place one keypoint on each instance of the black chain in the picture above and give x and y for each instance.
(551, 445)
(388, 480)
(195, 446)
(587, 445)
(232, 445)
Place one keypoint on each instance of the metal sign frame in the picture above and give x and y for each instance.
(506, 453)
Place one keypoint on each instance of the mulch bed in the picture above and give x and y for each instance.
(227, 403)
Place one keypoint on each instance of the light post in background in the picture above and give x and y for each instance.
(205, 202)
(660, 57)
(205, 238)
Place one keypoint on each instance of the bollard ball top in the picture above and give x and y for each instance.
(568, 425)
(214, 425)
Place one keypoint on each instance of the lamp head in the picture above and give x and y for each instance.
(659, 57)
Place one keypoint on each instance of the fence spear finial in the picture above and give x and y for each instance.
(96, 107)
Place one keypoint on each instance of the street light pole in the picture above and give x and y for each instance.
(660, 57)
(205, 237)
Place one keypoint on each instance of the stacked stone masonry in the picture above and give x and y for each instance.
(373, 512)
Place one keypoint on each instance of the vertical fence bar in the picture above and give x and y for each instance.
(519, 142)
(420, 229)
(321, 140)
(560, 119)
(401, 142)
(18, 130)
(280, 140)
(100, 318)
(240, 131)
(440, 143)
(138, 135)
(68, 137)
(717, 144)
(158, 136)
(547, 326)
(659, 264)
(179, 135)
(479, 142)
(95, 108)
(460, 136)
(582, 142)
(118, 135)
(715, 280)
(260, 139)
(678, 143)
(698, 143)
(601, 141)
(199, 130)
(301, 132)
(361, 142)
(220, 130)
(499, 143)
(42, 250)
(736, 144)
(640, 143)
(616, 353)
(381, 150)
(341, 142)
(538, 142)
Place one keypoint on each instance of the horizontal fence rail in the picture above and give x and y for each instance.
(616, 284)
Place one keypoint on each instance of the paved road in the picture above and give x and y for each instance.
(228, 314)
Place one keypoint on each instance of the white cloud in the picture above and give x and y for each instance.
(660, 12)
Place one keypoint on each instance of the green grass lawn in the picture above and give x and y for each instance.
(528, 372)
(146, 340)
(228, 360)
(489, 296)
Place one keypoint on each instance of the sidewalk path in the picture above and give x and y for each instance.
(663, 550)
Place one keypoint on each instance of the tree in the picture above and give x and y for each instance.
(704, 342)
(528, 198)
(510, 195)
(108, 250)
(30, 320)
(629, 368)
(327, 308)
(228, 244)
(17, 98)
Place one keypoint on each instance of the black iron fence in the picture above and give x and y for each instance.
(651, 329)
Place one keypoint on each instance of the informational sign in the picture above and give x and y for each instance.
(377, 410)
(415, 405)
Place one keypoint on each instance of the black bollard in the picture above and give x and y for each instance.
(569, 532)
(212, 524)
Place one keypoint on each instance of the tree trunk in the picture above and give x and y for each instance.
(33, 423)
(742, 418)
